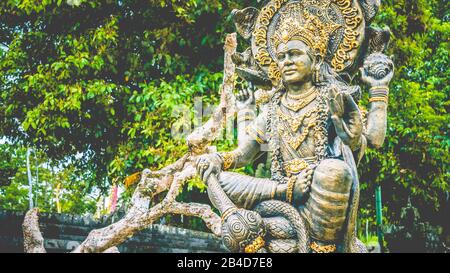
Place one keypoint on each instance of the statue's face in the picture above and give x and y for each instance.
(293, 62)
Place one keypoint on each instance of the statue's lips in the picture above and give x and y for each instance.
(289, 72)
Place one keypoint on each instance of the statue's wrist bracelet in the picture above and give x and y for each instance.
(229, 159)
(262, 98)
(245, 115)
(379, 94)
(290, 188)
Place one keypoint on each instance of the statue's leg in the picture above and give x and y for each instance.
(246, 191)
(327, 205)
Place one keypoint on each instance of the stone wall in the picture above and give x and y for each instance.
(63, 232)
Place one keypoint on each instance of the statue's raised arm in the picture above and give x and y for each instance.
(377, 72)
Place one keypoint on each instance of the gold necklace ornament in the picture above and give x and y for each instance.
(294, 122)
(274, 127)
(299, 103)
(302, 95)
(295, 142)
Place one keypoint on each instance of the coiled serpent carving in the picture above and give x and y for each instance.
(274, 208)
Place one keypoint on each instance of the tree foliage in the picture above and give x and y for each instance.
(102, 78)
(56, 187)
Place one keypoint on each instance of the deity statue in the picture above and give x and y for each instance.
(302, 58)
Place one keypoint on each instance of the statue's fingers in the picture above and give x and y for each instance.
(246, 93)
(197, 164)
(335, 108)
(332, 92)
(340, 101)
(350, 104)
(332, 106)
(363, 74)
(331, 96)
(200, 171)
(348, 132)
(339, 126)
(354, 123)
(240, 96)
(354, 114)
(207, 173)
(336, 98)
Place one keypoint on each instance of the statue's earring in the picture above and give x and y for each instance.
(316, 70)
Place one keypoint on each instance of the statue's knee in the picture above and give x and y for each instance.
(333, 175)
(326, 208)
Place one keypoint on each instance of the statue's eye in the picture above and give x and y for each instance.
(296, 53)
(280, 56)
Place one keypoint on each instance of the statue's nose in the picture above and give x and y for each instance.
(288, 60)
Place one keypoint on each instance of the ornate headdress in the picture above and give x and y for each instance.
(297, 23)
(333, 28)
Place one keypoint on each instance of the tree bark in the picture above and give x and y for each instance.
(32, 236)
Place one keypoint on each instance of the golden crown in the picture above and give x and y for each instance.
(297, 23)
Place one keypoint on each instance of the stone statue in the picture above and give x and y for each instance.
(302, 58)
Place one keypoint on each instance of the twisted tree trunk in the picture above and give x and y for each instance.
(32, 237)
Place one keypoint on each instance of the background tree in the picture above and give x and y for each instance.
(57, 187)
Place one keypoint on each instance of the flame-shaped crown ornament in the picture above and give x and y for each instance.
(296, 23)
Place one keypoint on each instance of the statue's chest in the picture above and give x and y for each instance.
(295, 130)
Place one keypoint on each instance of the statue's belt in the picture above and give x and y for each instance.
(298, 165)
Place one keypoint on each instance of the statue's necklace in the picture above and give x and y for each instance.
(303, 95)
(294, 122)
(293, 125)
(301, 100)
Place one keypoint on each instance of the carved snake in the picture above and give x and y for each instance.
(273, 208)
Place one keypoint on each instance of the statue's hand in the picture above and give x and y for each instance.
(245, 98)
(302, 185)
(209, 164)
(346, 117)
(378, 70)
